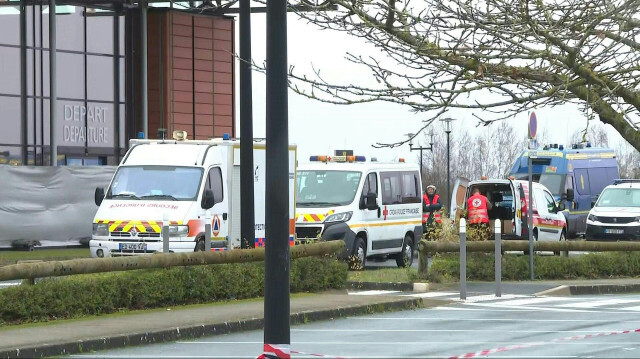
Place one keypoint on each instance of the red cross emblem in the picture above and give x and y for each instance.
(385, 213)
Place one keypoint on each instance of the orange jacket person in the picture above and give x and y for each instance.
(431, 205)
(478, 207)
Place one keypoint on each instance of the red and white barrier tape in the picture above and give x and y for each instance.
(283, 351)
(529, 345)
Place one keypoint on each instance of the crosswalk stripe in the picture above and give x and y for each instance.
(599, 303)
(430, 294)
(534, 300)
(374, 292)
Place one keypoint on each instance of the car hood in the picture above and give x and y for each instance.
(127, 210)
(616, 211)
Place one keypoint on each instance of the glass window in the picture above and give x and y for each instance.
(214, 183)
(70, 74)
(162, 183)
(69, 28)
(568, 183)
(9, 25)
(582, 180)
(370, 184)
(551, 203)
(10, 120)
(100, 78)
(97, 28)
(553, 182)
(542, 206)
(410, 188)
(9, 68)
(319, 188)
(391, 188)
(10, 155)
(619, 197)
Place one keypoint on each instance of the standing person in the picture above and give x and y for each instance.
(431, 217)
(479, 207)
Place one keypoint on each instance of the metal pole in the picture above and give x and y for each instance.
(24, 111)
(207, 232)
(144, 95)
(421, 174)
(53, 96)
(276, 292)
(463, 259)
(116, 84)
(165, 233)
(448, 170)
(498, 257)
(530, 216)
(247, 210)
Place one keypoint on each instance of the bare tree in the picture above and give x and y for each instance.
(494, 58)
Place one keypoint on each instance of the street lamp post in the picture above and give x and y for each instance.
(447, 129)
(411, 148)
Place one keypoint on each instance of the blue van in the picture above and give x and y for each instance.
(574, 175)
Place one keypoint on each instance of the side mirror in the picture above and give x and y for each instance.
(370, 201)
(98, 196)
(208, 199)
(570, 194)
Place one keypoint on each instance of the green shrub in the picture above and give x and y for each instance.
(481, 266)
(92, 294)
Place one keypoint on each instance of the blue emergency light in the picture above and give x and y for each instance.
(225, 136)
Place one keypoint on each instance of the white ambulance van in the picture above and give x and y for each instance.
(510, 201)
(374, 207)
(178, 181)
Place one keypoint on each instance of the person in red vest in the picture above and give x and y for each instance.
(478, 214)
(431, 217)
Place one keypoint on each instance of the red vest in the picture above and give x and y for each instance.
(436, 214)
(477, 205)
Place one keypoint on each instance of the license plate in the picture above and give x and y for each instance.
(133, 246)
(614, 231)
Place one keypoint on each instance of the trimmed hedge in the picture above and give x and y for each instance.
(480, 266)
(92, 294)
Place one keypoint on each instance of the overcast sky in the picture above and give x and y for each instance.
(320, 128)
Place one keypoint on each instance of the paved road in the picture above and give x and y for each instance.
(514, 326)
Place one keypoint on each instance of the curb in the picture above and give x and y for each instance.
(568, 290)
(399, 286)
(196, 331)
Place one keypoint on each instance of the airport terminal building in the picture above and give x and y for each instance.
(100, 98)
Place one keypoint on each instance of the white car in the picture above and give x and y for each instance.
(616, 214)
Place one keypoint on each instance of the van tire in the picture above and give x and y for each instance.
(199, 245)
(404, 259)
(358, 258)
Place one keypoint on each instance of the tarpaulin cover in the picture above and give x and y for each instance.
(51, 205)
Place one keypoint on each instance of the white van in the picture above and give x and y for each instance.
(510, 200)
(179, 181)
(374, 207)
(616, 214)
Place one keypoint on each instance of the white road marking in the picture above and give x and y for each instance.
(600, 303)
(430, 294)
(535, 300)
(500, 330)
(518, 320)
(374, 292)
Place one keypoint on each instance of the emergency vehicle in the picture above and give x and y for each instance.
(510, 200)
(374, 207)
(575, 176)
(182, 182)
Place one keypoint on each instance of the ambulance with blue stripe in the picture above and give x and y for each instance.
(180, 184)
(575, 176)
(375, 207)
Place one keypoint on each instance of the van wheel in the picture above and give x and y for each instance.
(405, 258)
(358, 258)
(563, 238)
(200, 245)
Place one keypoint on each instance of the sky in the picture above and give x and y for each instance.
(319, 128)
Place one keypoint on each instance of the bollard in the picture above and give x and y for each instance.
(498, 258)
(207, 232)
(165, 233)
(463, 259)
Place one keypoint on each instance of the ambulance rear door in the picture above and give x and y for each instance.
(458, 198)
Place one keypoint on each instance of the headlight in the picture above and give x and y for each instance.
(591, 217)
(178, 231)
(339, 217)
(100, 229)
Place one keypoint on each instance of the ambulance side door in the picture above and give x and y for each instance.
(219, 211)
(370, 216)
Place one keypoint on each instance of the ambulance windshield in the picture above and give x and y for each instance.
(326, 188)
(158, 183)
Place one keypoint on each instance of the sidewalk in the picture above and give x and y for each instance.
(119, 330)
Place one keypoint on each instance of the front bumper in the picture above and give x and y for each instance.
(328, 232)
(113, 248)
(606, 232)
